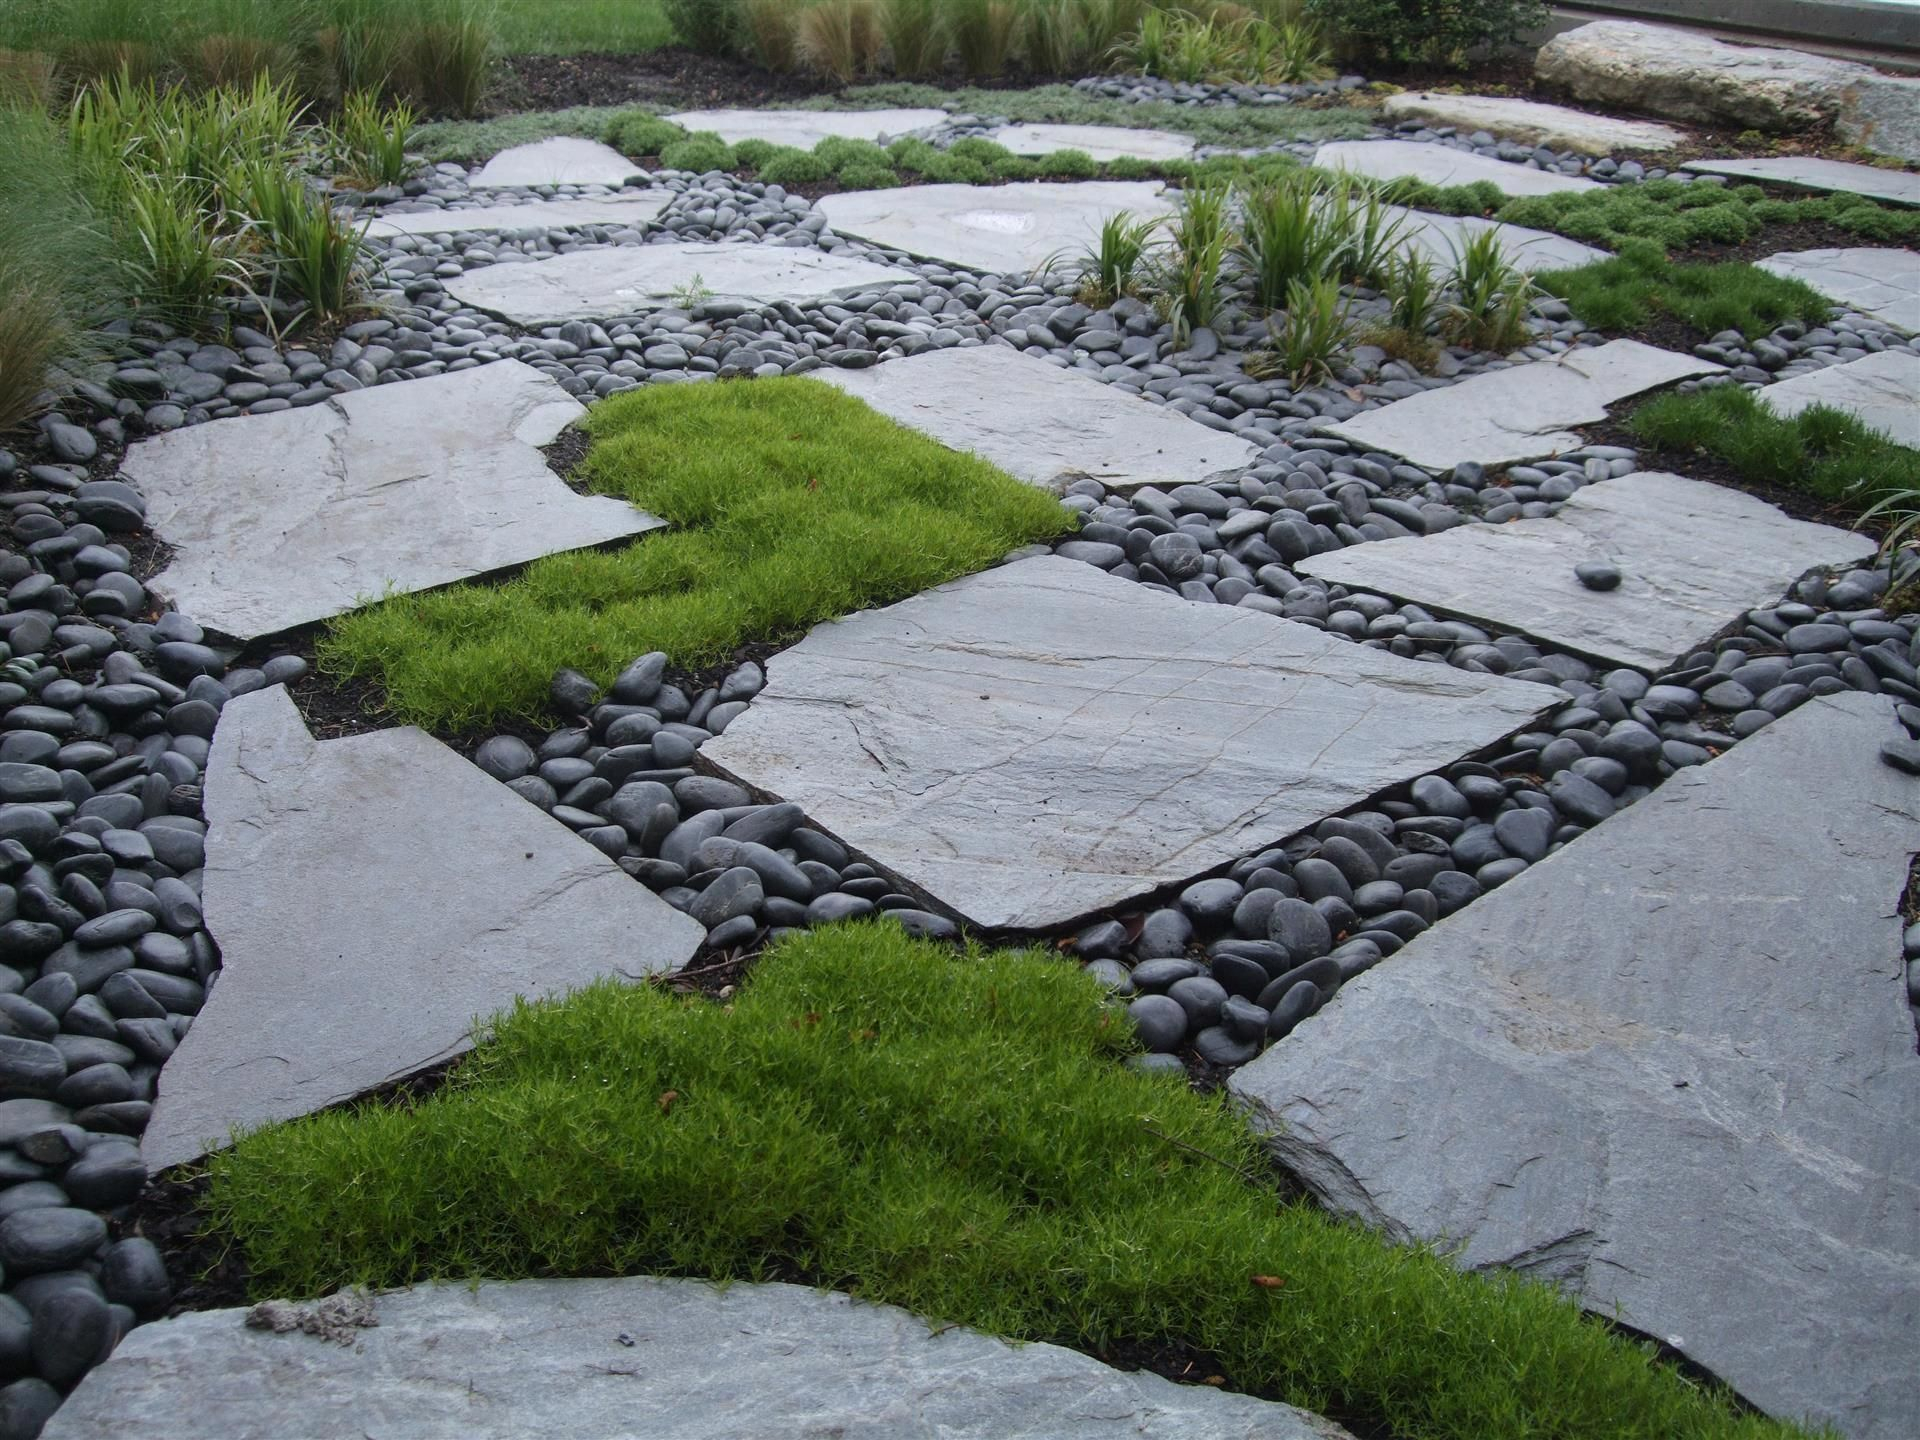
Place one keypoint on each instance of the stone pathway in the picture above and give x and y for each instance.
(1102, 142)
(805, 129)
(1521, 413)
(1533, 122)
(1042, 741)
(633, 208)
(633, 279)
(1692, 557)
(1442, 237)
(1440, 165)
(1881, 282)
(1042, 423)
(372, 897)
(1881, 391)
(1669, 1068)
(562, 160)
(280, 520)
(1810, 172)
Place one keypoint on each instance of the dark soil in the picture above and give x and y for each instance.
(673, 76)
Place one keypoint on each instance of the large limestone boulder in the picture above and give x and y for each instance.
(1882, 112)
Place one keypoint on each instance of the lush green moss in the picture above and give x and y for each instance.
(639, 133)
(793, 167)
(700, 152)
(1624, 293)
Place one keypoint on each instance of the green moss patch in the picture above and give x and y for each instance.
(1639, 284)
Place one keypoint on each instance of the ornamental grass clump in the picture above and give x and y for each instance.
(369, 141)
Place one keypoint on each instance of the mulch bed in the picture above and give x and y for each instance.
(673, 76)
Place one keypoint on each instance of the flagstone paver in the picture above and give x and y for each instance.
(614, 1359)
(625, 207)
(807, 128)
(1881, 282)
(1880, 390)
(1442, 237)
(559, 160)
(1670, 1068)
(1692, 557)
(997, 229)
(1810, 172)
(1533, 122)
(1044, 740)
(1440, 165)
(1102, 142)
(371, 897)
(280, 520)
(1521, 413)
(1042, 423)
(629, 279)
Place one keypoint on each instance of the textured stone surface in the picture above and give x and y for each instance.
(561, 160)
(280, 520)
(1881, 390)
(1522, 413)
(1691, 555)
(999, 229)
(1102, 142)
(1441, 238)
(1880, 282)
(1440, 165)
(807, 128)
(1810, 172)
(629, 279)
(619, 1359)
(372, 897)
(1043, 424)
(1670, 1068)
(1533, 122)
(627, 207)
(1882, 112)
(1044, 740)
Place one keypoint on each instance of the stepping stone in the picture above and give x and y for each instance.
(1442, 237)
(1102, 142)
(1505, 416)
(633, 279)
(1670, 1068)
(1809, 172)
(626, 207)
(994, 229)
(1440, 165)
(371, 897)
(805, 129)
(1041, 423)
(614, 1359)
(280, 520)
(1878, 282)
(1534, 123)
(1692, 557)
(1881, 391)
(1042, 741)
(561, 160)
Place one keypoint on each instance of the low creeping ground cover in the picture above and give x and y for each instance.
(790, 503)
(1624, 293)
(947, 1132)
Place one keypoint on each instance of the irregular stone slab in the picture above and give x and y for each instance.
(1878, 282)
(1692, 557)
(1440, 165)
(616, 1359)
(1533, 122)
(1042, 741)
(1441, 238)
(1102, 142)
(280, 520)
(1044, 424)
(995, 229)
(1669, 1068)
(627, 207)
(1882, 112)
(1810, 172)
(805, 129)
(372, 897)
(631, 279)
(560, 160)
(1881, 390)
(1505, 416)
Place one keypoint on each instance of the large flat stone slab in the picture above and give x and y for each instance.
(630, 279)
(1102, 142)
(1440, 165)
(1441, 238)
(1692, 557)
(281, 520)
(1880, 282)
(1810, 172)
(1522, 413)
(638, 1357)
(1882, 112)
(994, 229)
(805, 129)
(560, 160)
(372, 897)
(1533, 122)
(626, 207)
(1670, 1067)
(1043, 424)
(1042, 741)
(1881, 390)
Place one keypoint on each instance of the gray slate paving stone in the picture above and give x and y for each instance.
(1102, 142)
(1441, 238)
(1045, 740)
(626, 207)
(1534, 122)
(630, 279)
(1810, 172)
(1884, 283)
(590, 1358)
(1692, 557)
(281, 520)
(1880, 390)
(372, 897)
(806, 128)
(1441, 165)
(561, 160)
(1673, 1073)
(1043, 424)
